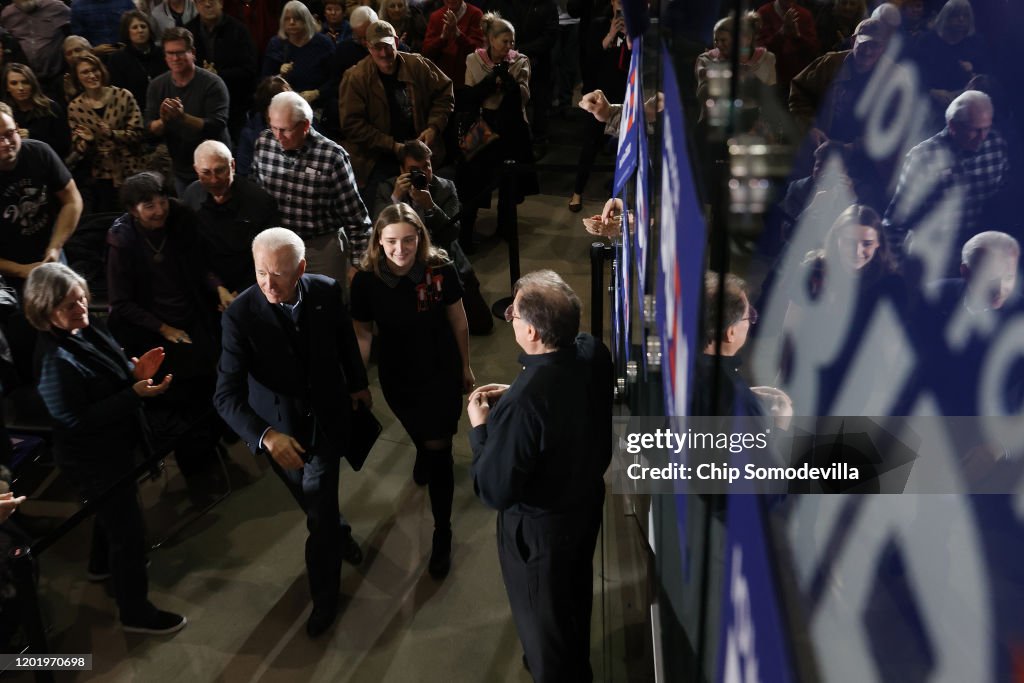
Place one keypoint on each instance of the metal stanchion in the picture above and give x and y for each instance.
(510, 220)
(599, 253)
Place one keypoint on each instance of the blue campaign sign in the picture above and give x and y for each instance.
(681, 256)
(631, 123)
(622, 289)
(754, 644)
(641, 234)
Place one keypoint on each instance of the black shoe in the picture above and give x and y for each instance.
(157, 623)
(321, 619)
(440, 554)
(97, 573)
(350, 551)
(420, 470)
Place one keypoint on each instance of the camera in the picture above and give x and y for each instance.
(418, 179)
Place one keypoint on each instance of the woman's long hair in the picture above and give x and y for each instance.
(40, 102)
(297, 9)
(426, 252)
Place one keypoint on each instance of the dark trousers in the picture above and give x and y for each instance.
(546, 563)
(120, 533)
(315, 489)
(593, 140)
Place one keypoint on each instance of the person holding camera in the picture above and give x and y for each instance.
(391, 97)
(436, 202)
(498, 80)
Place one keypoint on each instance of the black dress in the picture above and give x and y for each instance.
(420, 363)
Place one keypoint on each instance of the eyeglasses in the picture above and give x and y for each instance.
(289, 129)
(510, 314)
(752, 316)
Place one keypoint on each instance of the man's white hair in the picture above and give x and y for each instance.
(959, 110)
(361, 16)
(984, 242)
(274, 239)
(294, 103)
(212, 148)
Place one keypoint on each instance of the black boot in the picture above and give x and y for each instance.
(442, 490)
(440, 554)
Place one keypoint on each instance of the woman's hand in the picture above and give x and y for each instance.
(468, 380)
(310, 96)
(286, 68)
(146, 389)
(147, 364)
(8, 504)
(618, 26)
(174, 335)
(225, 297)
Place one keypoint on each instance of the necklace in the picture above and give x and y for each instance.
(158, 256)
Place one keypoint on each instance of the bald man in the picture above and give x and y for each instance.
(232, 210)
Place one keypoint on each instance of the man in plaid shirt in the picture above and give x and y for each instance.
(966, 163)
(311, 178)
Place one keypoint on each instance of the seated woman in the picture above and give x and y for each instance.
(256, 121)
(409, 23)
(160, 295)
(140, 61)
(38, 117)
(304, 57)
(499, 81)
(95, 395)
(412, 292)
(106, 129)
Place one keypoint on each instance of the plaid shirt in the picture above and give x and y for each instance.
(315, 189)
(931, 172)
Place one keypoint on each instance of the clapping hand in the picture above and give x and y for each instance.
(147, 364)
(286, 68)
(450, 24)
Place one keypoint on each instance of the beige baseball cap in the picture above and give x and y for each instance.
(381, 32)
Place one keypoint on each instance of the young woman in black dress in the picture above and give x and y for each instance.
(412, 292)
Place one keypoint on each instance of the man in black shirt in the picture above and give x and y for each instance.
(232, 210)
(540, 449)
(39, 203)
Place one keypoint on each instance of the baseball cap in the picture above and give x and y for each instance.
(870, 29)
(381, 32)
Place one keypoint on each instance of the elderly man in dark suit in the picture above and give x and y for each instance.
(289, 367)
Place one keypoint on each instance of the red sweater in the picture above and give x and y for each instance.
(792, 53)
(449, 54)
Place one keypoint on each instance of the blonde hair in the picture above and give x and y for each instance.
(493, 24)
(426, 252)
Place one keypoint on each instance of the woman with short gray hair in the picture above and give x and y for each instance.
(94, 395)
(304, 57)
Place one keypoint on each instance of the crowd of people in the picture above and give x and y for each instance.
(287, 180)
(863, 230)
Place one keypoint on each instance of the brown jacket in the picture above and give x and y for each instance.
(365, 116)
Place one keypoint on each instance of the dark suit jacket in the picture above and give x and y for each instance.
(263, 382)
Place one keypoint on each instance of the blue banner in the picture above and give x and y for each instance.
(631, 124)
(641, 234)
(753, 644)
(681, 256)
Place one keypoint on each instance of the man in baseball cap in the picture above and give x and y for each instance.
(388, 99)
